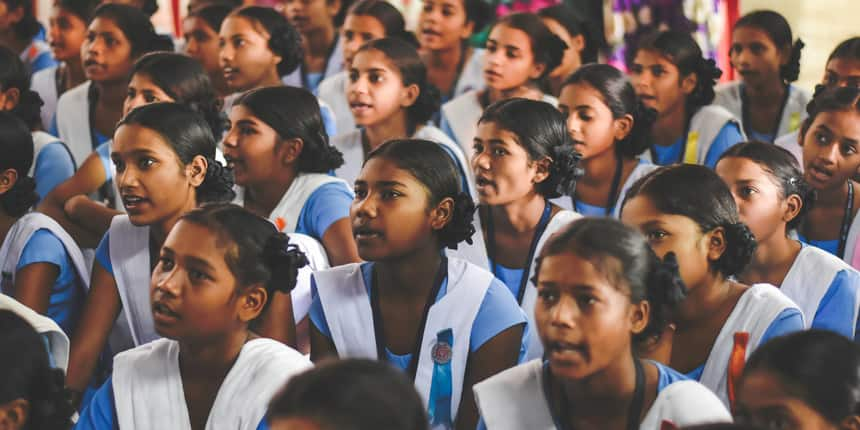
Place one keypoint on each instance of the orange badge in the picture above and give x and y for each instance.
(280, 223)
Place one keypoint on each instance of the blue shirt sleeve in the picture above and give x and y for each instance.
(328, 120)
(101, 412)
(316, 312)
(498, 312)
(54, 164)
(103, 254)
(446, 128)
(103, 151)
(327, 204)
(54, 130)
(839, 305)
(788, 321)
(42, 61)
(730, 135)
(43, 247)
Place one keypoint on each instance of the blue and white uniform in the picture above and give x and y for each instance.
(311, 81)
(53, 163)
(56, 341)
(73, 123)
(518, 399)
(332, 91)
(832, 246)
(566, 202)
(37, 56)
(712, 131)
(790, 143)
(471, 77)
(470, 309)
(44, 82)
(730, 96)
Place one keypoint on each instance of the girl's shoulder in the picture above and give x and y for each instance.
(685, 403)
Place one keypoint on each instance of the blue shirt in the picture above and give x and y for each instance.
(54, 164)
(730, 135)
(586, 209)
(103, 253)
(328, 118)
(831, 246)
(103, 152)
(510, 277)
(838, 306)
(326, 205)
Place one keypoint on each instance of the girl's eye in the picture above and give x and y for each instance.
(636, 69)
(246, 131)
(428, 7)
(166, 263)
(656, 235)
(146, 163)
(584, 117)
(478, 148)
(499, 152)
(388, 195)
(131, 93)
(348, 35)
(120, 166)
(849, 149)
(447, 11)
(91, 37)
(547, 295)
(491, 48)
(565, 111)
(747, 191)
(585, 301)
(150, 99)
(375, 78)
(511, 53)
(353, 76)
(822, 138)
(197, 275)
(360, 193)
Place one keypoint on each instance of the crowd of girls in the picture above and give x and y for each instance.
(303, 221)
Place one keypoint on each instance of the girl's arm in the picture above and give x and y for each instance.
(33, 285)
(92, 216)
(339, 243)
(86, 180)
(322, 347)
(278, 322)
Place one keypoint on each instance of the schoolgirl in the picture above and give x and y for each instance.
(410, 305)
(200, 28)
(671, 76)
(572, 28)
(765, 101)
(19, 32)
(321, 43)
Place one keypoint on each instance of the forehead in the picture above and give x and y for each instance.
(492, 130)
(363, 23)
(641, 210)
(749, 34)
(506, 35)
(134, 137)
(373, 59)
(740, 168)
(844, 66)
(454, 4)
(237, 24)
(650, 57)
(189, 239)
(845, 123)
(569, 268)
(579, 94)
(104, 24)
(383, 169)
(195, 23)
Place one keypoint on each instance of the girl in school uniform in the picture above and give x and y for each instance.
(390, 98)
(520, 53)
(52, 161)
(571, 28)
(671, 76)
(523, 157)
(610, 128)
(156, 148)
(42, 266)
(806, 380)
(321, 43)
(200, 28)
(688, 210)
(87, 114)
(410, 305)
(602, 290)
(772, 200)
(216, 274)
(366, 20)
(19, 32)
(66, 33)
(765, 101)
(444, 29)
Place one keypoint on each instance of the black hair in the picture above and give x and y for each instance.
(431, 165)
(634, 265)
(830, 100)
(696, 192)
(619, 96)
(542, 131)
(149, 7)
(284, 40)
(387, 15)
(212, 14)
(83, 9)
(847, 49)
(260, 253)
(187, 132)
(295, 113)
(26, 373)
(784, 171)
(184, 80)
(547, 48)
(818, 367)
(15, 74)
(28, 27)
(371, 395)
(478, 12)
(136, 27)
(779, 31)
(575, 25)
(16, 145)
(680, 48)
(412, 70)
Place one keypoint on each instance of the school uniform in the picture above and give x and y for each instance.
(518, 398)
(712, 131)
(37, 56)
(471, 76)
(44, 82)
(851, 232)
(333, 92)
(518, 281)
(149, 375)
(37, 238)
(53, 163)
(72, 123)
(470, 308)
(790, 143)
(730, 96)
(311, 81)
(568, 202)
(56, 341)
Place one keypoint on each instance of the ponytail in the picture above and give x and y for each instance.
(666, 292)
(790, 71)
(16, 145)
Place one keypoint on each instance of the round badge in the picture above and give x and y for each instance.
(441, 353)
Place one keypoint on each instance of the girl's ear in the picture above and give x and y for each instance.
(441, 215)
(409, 95)
(578, 43)
(251, 302)
(791, 207)
(623, 126)
(333, 7)
(197, 170)
(289, 150)
(468, 29)
(640, 314)
(542, 167)
(716, 243)
(688, 83)
(9, 99)
(537, 70)
(8, 178)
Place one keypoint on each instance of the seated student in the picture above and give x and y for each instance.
(321, 44)
(773, 199)
(601, 291)
(216, 273)
(410, 305)
(576, 32)
(610, 128)
(18, 32)
(366, 20)
(32, 395)
(842, 70)
(765, 101)
(42, 266)
(52, 161)
(390, 98)
(53, 337)
(671, 76)
(807, 380)
(523, 157)
(200, 28)
(830, 159)
(521, 52)
(67, 31)
(688, 210)
(370, 395)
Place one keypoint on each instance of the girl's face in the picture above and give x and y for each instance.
(244, 55)
(509, 61)
(356, 31)
(830, 149)
(201, 43)
(759, 198)
(193, 291)
(842, 72)
(390, 217)
(311, 15)
(504, 172)
(585, 322)
(572, 59)
(254, 150)
(675, 233)
(590, 122)
(658, 82)
(443, 24)
(66, 34)
(763, 401)
(147, 166)
(754, 55)
(106, 52)
(376, 91)
(142, 91)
